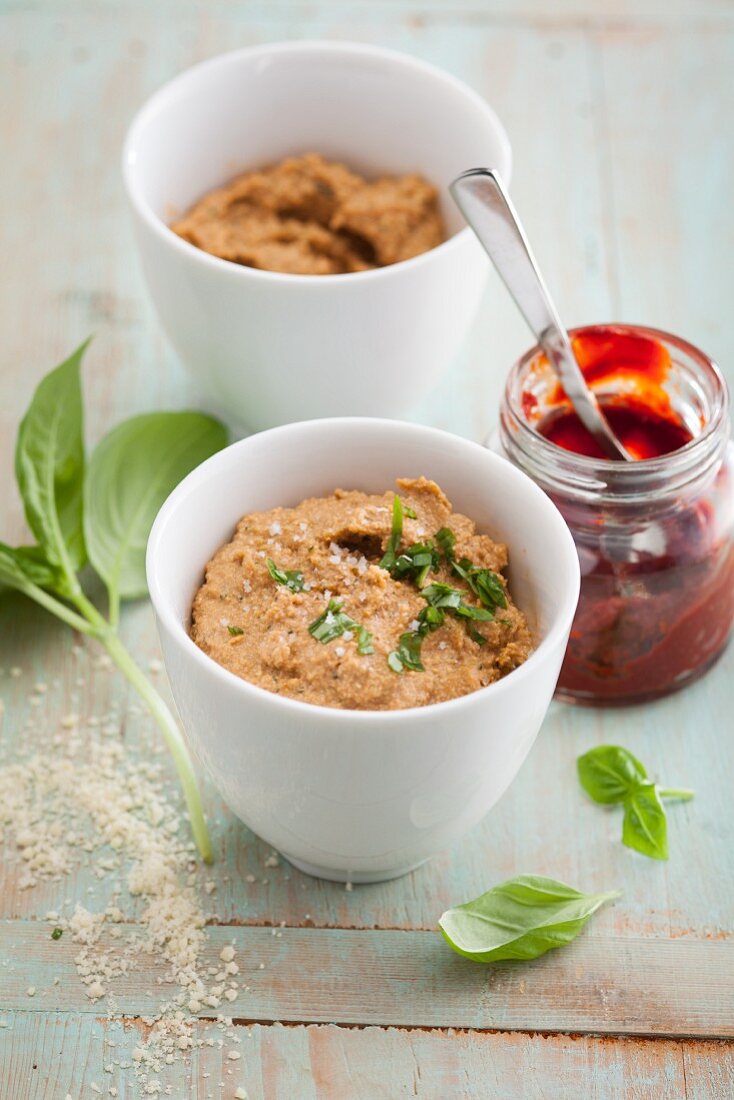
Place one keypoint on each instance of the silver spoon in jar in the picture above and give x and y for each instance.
(482, 199)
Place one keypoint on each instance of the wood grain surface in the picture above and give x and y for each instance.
(619, 115)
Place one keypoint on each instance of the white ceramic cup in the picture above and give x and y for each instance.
(347, 794)
(269, 348)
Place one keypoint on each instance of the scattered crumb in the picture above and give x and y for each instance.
(82, 800)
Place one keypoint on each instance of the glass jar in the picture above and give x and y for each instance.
(655, 537)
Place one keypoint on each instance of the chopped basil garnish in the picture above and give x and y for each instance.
(57, 934)
(289, 578)
(474, 634)
(235, 630)
(410, 512)
(440, 598)
(330, 624)
(442, 595)
(389, 558)
(483, 582)
(408, 653)
(478, 614)
(416, 562)
(446, 539)
(364, 642)
(333, 622)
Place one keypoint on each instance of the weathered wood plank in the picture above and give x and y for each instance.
(335, 1063)
(600, 984)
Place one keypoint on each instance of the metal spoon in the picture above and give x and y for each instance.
(482, 199)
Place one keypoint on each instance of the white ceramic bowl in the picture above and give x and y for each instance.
(269, 348)
(346, 794)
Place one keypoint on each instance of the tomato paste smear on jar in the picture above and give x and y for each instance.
(657, 593)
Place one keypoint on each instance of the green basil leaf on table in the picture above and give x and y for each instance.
(23, 567)
(131, 472)
(608, 773)
(645, 827)
(521, 918)
(49, 465)
(611, 774)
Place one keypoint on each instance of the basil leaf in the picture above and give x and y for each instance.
(49, 465)
(289, 578)
(390, 556)
(488, 586)
(475, 635)
(416, 562)
(442, 595)
(410, 512)
(521, 918)
(483, 582)
(334, 622)
(479, 614)
(131, 472)
(608, 773)
(235, 631)
(446, 539)
(645, 827)
(408, 653)
(22, 567)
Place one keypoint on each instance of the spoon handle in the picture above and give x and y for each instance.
(482, 199)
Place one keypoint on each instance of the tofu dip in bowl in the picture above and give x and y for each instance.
(271, 346)
(344, 791)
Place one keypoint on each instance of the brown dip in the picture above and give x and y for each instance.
(336, 543)
(309, 216)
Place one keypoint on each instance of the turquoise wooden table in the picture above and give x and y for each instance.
(619, 114)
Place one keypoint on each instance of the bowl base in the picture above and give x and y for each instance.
(359, 877)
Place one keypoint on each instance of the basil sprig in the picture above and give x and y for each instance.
(100, 509)
(289, 578)
(333, 622)
(611, 774)
(521, 918)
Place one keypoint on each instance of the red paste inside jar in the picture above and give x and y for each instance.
(657, 588)
(641, 415)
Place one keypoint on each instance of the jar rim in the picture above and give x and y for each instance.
(622, 478)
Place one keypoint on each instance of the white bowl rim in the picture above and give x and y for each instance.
(159, 97)
(165, 613)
